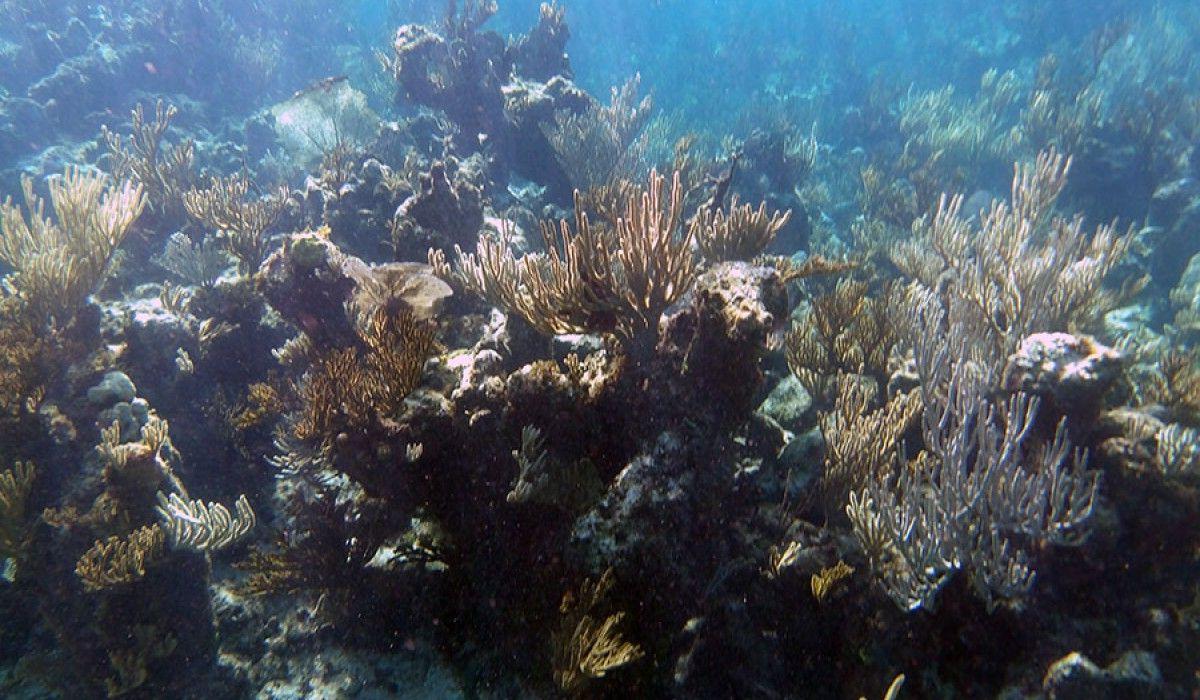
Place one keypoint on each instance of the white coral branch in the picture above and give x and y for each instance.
(203, 527)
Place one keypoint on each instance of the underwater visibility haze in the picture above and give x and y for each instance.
(600, 349)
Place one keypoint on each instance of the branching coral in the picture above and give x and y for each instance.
(546, 481)
(965, 135)
(1024, 270)
(587, 646)
(117, 561)
(590, 279)
(203, 527)
(862, 443)
(1177, 450)
(741, 234)
(1174, 384)
(972, 500)
(1053, 118)
(26, 359)
(15, 485)
(540, 54)
(242, 220)
(131, 663)
(163, 171)
(349, 389)
(827, 580)
(593, 148)
(845, 331)
(58, 263)
(326, 553)
(812, 266)
(887, 200)
(133, 471)
(200, 264)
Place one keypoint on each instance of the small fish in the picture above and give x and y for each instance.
(178, 512)
(324, 85)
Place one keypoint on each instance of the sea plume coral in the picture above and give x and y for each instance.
(1025, 270)
(971, 500)
(58, 262)
(741, 234)
(591, 279)
(351, 389)
(203, 527)
(228, 206)
(163, 171)
(15, 485)
(116, 561)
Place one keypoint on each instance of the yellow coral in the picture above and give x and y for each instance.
(116, 561)
(58, 263)
(589, 646)
(826, 581)
(739, 235)
(15, 485)
(591, 279)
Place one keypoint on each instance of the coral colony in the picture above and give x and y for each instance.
(443, 377)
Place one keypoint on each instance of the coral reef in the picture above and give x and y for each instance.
(362, 364)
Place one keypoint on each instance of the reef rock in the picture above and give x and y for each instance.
(445, 211)
(1076, 677)
(306, 282)
(718, 340)
(788, 403)
(643, 507)
(1073, 371)
(114, 388)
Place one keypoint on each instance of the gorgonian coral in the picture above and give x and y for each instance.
(591, 279)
